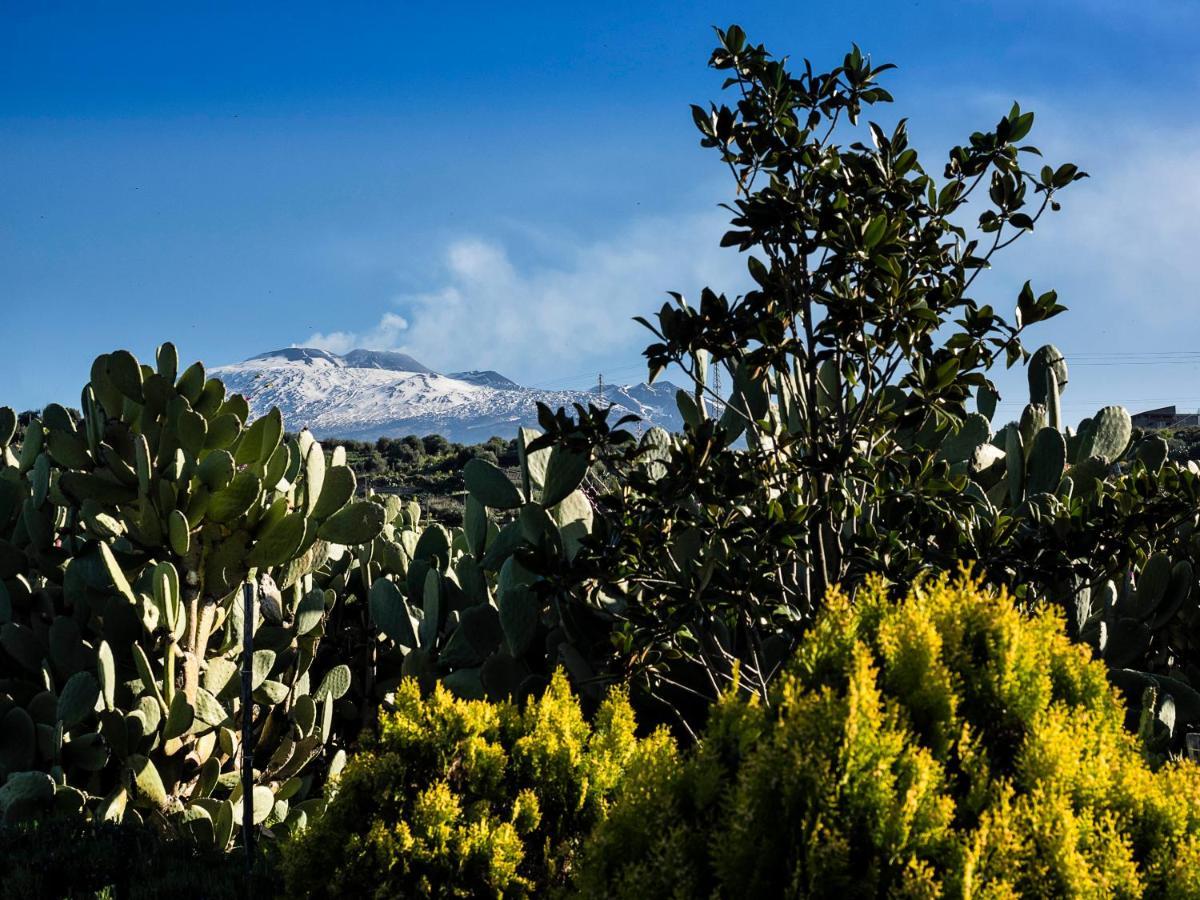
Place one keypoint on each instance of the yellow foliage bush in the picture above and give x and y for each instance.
(943, 746)
(457, 798)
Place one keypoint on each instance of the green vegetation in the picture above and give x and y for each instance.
(127, 533)
(945, 745)
(763, 584)
(426, 469)
(467, 799)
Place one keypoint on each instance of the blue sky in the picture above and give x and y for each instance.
(505, 185)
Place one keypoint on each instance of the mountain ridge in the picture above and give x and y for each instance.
(368, 394)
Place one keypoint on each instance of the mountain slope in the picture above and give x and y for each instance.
(365, 395)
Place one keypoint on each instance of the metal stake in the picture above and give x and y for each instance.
(247, 716)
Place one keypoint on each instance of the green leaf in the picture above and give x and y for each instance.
(874, 231)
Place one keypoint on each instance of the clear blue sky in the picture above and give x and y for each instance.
(505, 185)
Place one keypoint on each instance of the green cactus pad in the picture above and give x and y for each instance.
(179, 717)
(465, 683)
(78, 699)
(337, 490)
(1047, 358)
(1109, 436)
(91, 486)
(519, 613)
(1152, 585)
(1152, 451)
(178, 532)
(312, 609)
(434, 544)
(125, 373)
(389, 612)
(502, 676)
(89, 752)
(8, 425)
(475, 525)
(259, 441)
(24, 793)
(1047, 461)
(356, 523)
(209, 709)
(1179, 590)
(278, 543)
(235, 499)
(564, 473)
(261, 664)
(334, 685)
(150, 790)
(959, 446)
(166, 358)
(490, 486)
(107, 674)
(68, 449)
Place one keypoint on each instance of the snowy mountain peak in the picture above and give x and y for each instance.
(367, 394)
(297, 354)
(384, 359)
(487, 378)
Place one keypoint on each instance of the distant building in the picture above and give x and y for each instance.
(1164, 417)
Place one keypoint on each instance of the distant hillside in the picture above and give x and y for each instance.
(368, 394)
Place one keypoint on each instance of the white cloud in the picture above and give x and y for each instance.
(1124, 244)
(542, 322)
(384, 336)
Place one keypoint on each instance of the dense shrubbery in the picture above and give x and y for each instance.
(943, 746)
(467, 799)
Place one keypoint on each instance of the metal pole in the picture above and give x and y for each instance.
(247, 748)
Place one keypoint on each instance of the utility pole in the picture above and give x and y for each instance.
(600, 389)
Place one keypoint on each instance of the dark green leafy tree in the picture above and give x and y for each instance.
(851, 361)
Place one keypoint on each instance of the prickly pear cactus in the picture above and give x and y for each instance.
(464, 606)
(1082, 489)
(126, 534)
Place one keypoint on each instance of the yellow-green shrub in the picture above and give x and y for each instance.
(459, 798)
(943, 746)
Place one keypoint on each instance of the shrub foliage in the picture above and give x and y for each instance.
(461, 798)
(943, 746)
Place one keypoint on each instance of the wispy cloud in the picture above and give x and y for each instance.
(539, 321)
(384, 336)
(1124, 244)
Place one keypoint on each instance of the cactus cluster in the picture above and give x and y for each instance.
(1038, 457)
(1038, 472)
(126, 532)
(458, 605)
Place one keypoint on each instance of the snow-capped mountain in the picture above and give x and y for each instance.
(367, 394)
